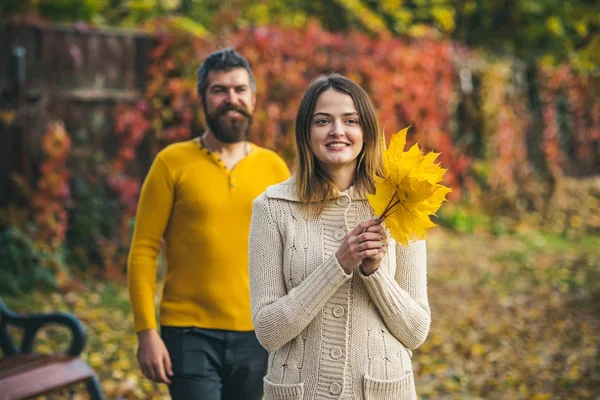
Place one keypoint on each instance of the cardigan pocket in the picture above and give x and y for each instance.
(274, 391)
(402, 388)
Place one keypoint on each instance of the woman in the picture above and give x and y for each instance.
(338, 304)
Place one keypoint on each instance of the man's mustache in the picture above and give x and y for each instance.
(232, 107)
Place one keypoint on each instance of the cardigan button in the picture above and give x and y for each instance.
(339, 234)
(336, 353)
(335, 388)
(338, 311)
(342, 201)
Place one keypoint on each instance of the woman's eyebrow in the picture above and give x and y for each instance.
(348, 114)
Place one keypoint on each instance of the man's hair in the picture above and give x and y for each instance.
(313, 184)
(225, 59)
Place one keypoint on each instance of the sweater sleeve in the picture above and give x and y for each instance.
(402, 300)
(278, 315)
(154, 209)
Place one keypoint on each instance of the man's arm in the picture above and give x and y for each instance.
(154, 210)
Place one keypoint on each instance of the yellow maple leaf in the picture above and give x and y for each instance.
(411, 191)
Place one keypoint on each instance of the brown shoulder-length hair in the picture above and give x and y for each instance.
(313, 184)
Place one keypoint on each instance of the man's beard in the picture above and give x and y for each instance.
(229, 130)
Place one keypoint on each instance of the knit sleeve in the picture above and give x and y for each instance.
(154, 209)
(402, 299)
(278, 315)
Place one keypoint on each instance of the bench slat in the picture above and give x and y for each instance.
(13, 365)
(7, 363)
(40, 375)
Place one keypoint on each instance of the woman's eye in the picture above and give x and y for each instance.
(352, 121)
(321, 121)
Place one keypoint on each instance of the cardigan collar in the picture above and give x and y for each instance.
(286, 190)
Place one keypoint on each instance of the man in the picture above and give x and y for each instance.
(198, 197)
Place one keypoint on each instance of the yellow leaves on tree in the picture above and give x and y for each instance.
(411, 191)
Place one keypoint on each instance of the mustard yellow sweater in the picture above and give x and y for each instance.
(202, 211)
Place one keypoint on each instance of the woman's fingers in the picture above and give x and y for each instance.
(373, 254)
(367, 245)
(362, 240)
(363, 226)
(376, 228)
(369, 236)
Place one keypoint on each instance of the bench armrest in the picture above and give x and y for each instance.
(31, 323)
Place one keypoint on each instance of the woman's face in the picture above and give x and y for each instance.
(336, 137)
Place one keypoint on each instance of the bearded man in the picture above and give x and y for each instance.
(197, 198)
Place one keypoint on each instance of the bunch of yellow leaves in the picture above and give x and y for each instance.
(411, 191)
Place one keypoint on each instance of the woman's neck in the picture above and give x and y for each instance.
(342, 178)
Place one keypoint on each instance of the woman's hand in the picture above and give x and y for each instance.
(371, 264)
(364, 244)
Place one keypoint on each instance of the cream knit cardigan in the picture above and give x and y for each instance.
(331, 335)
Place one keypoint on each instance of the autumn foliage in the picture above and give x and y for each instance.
(36, 232)
(495, 122)
(489, 149)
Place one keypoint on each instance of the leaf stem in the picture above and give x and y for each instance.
(390, 206)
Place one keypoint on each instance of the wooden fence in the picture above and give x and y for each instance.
(76, 74)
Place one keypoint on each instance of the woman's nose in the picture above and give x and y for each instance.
(337, 128)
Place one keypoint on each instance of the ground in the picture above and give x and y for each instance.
(514, 316)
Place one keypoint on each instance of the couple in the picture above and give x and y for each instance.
(337, 304)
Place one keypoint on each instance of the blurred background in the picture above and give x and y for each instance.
(507, 91)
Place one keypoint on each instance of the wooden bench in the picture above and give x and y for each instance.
(25, 374)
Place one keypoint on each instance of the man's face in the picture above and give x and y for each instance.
(229, 104)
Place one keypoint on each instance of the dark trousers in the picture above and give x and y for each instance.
(212, 364)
